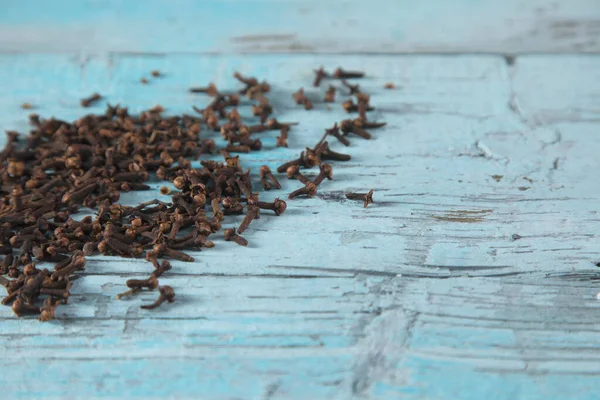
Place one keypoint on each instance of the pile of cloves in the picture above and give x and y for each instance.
(62, 167)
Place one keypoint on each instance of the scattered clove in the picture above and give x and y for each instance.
(340, 73)
(88, 101)
(309, 191)
(348, 126)
(330, 95)
(267, 179)
(231, 235)
(301, 99)
(166, 294)
(319, 75)
(367, 198)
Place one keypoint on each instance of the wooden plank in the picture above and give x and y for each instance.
(415, 297)
(277, 26)
(516, 338)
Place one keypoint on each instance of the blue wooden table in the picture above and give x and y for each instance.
(471, 276)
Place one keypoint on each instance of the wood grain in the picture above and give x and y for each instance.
(474, 265)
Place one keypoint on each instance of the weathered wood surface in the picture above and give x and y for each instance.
(425, 295)
(292, 26)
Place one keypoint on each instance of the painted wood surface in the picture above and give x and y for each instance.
(292, 26)
(470, 278)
